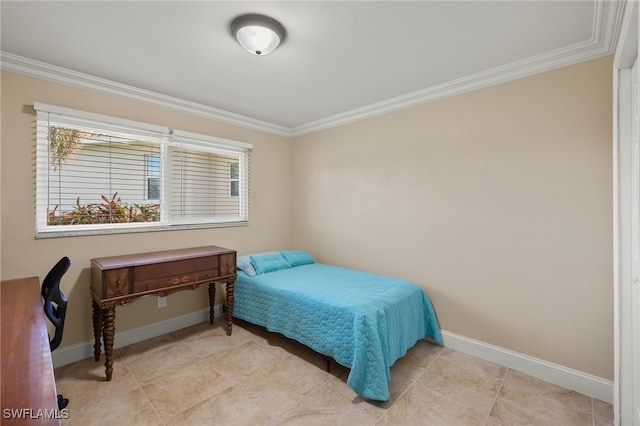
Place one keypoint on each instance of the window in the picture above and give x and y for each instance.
(153, 177)
(100, 174)
(234, 180)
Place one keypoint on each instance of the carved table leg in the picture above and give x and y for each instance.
(212, 300)
(108, 334)
(230, 284)
(97, 329)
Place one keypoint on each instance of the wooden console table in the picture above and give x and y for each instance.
(119, 280)
(28, 385)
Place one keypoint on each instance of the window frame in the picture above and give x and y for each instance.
(66, 117)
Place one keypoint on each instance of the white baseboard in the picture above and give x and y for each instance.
(569, 378)
(73, 353)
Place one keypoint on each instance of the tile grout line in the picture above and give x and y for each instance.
(413, 382)
(495, 399)
(179, 340)
(141, 388)
(317, 389)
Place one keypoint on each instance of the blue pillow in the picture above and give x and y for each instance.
(244, 264)
(297, 257)
(269, 262)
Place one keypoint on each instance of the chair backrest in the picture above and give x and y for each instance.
(55, 304)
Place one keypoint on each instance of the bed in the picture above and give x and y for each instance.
(363, 321)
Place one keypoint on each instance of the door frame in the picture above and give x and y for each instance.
(626, 238)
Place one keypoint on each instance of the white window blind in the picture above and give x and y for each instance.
(200, 182)
(102, 174)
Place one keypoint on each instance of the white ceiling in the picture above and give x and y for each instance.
(341, 61)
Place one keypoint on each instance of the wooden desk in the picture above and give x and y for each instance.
(119, 280)
(28, 384)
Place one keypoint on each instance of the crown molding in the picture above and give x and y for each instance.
(606, 25)
(33, 68)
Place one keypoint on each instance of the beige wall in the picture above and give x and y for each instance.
(498, 202)
(22, 255)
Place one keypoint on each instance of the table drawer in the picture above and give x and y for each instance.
(207, 275)
(140, 286)
(174, 268)
(227, 264)
(115, 282)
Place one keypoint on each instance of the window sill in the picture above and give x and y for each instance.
(81, 231)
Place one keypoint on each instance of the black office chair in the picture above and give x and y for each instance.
(55, 307)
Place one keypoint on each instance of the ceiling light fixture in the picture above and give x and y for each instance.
(258, 34)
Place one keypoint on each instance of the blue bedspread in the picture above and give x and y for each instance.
(363, 321)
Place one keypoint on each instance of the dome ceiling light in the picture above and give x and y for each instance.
(258, 34)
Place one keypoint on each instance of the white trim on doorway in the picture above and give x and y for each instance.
(625, 116)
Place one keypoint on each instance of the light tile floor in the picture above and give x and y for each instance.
(201, 376)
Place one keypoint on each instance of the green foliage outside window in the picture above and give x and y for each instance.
(109, 211)
(63, 144)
